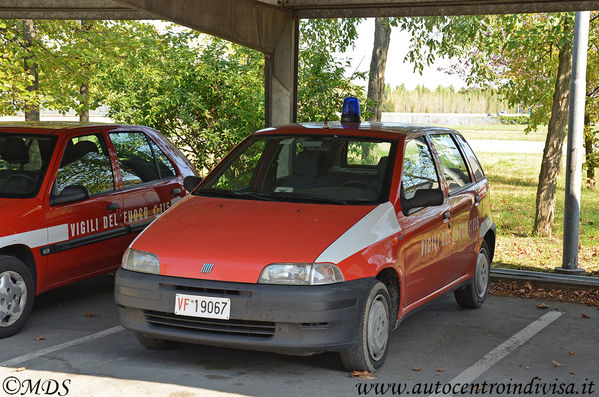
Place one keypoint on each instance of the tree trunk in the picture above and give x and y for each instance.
(588, 148)
(84, 88)
(554, 143)
(32, 108)
(84, 112)
(378, 63)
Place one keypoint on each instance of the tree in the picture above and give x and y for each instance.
(323, 82)
(378, 64)
(527, 56)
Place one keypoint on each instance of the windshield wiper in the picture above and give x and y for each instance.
(231, 194)
(306, 197)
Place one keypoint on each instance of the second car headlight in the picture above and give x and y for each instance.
(301, 274)
(140, 261)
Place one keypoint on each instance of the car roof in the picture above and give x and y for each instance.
(365, 129)
(55, 127)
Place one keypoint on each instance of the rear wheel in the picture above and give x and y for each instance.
(375, 328)
(154, 343)
(16, 295)
(474, 294)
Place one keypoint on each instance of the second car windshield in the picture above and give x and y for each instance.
(316, 168)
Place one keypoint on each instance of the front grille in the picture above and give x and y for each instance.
(258, 329)
(204, 290)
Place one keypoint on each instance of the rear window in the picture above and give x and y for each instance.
(24, 159)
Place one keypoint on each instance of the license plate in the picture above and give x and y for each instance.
(202, 306)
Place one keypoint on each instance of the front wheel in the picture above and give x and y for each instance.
(375, 328)
(474, 294)
(16, 295)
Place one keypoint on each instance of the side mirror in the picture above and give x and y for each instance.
(70, 194)
(190, 182)
(424, 198)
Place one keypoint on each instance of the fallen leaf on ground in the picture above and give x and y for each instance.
(40, 338)
(361, 375)
(572, 353)
(556, 364)
(88, 314)
(572, 374)
(584, 315)
(20, 369)
(440, 370)
(417, 369)
(542, 306)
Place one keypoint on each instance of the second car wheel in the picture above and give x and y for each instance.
(375, 328)
(16, 295)
(474, 294)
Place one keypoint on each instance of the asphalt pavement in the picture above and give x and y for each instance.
(73, 343)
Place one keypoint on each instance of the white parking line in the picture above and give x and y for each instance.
(52, 349)
(497, 354)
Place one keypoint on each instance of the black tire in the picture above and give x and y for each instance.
(376, 317)
(154, 343)
(17, 292)
(474, 294)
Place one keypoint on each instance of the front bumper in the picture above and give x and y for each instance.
(279, 318)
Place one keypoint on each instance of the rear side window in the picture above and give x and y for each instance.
(136, 159)
(165, 167)
(85, 162)
(419, 170)
(452, 163)
(477, 170)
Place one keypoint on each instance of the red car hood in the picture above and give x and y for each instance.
(240, 237)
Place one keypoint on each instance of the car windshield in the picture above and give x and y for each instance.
(24, 159)
(328, 169)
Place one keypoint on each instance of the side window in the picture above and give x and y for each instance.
(419, 170)
(472, 160)
(452, 163)
(135, 158)
(164, 164)
(85, 162)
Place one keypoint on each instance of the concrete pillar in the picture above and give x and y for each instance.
(280, 77)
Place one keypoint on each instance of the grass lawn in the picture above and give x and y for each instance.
(502, 132)
(513, 180)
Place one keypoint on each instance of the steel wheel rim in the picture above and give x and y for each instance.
(378, 328)
(13, 297)
(482, 274)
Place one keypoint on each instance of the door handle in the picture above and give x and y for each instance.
(477, 199)
(176, 191)
(113, 206)
(446, 216)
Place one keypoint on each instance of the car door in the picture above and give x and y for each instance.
(148, 179)
(91, 225)
(463, 192)
(425, 234)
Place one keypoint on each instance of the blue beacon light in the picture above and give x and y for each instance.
(351, 110)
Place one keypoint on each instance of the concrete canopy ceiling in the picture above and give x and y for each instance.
(108, 9)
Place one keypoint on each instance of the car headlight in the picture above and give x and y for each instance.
(140, 261)
(301, 274)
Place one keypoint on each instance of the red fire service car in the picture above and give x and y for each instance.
(314, 237)
(72, 198)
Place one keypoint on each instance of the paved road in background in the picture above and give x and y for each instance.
(508, 341)
(496, 146)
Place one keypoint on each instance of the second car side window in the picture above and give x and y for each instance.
(85, 162)
(452, 162)
(419, 170)
(135, 158)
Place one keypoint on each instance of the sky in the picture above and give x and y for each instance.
(398, 72)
